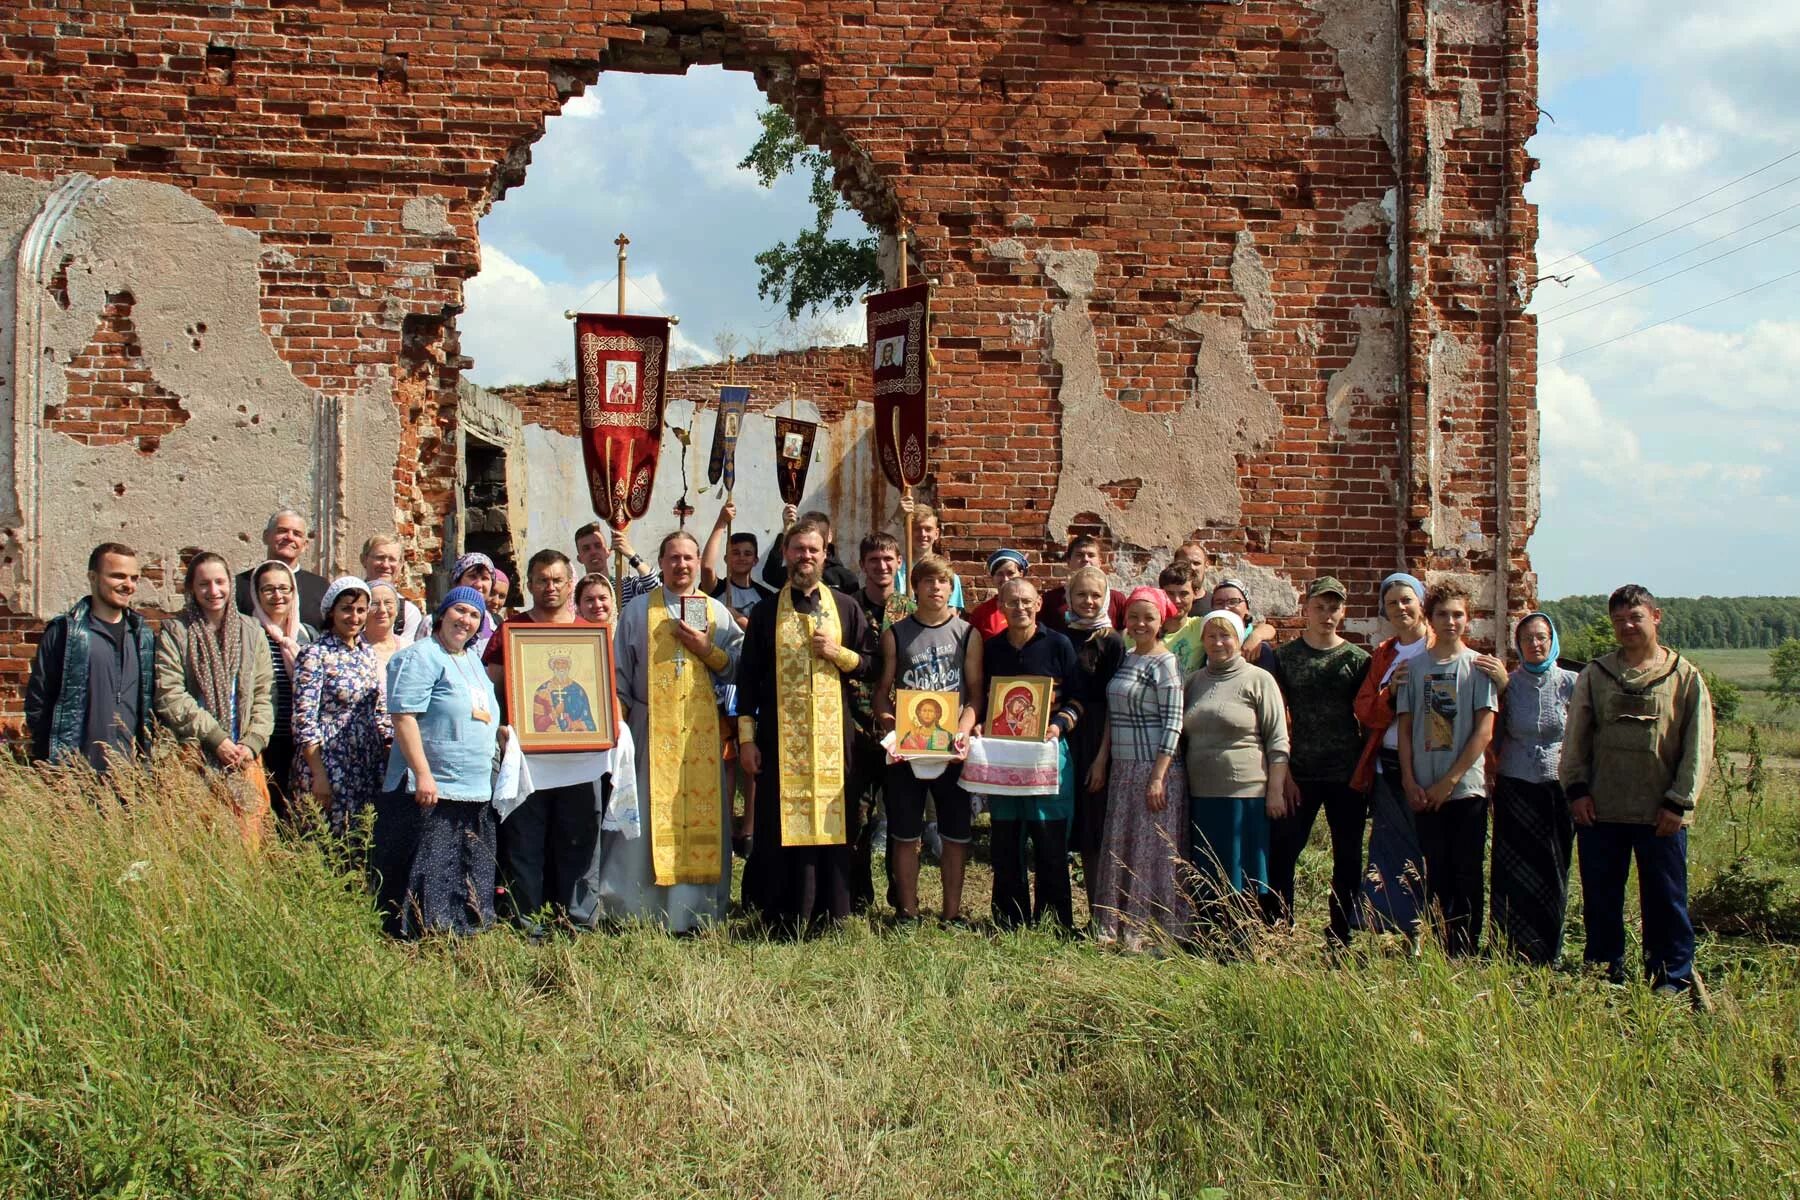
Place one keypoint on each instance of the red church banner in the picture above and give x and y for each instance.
(898, 324)
(620, 366)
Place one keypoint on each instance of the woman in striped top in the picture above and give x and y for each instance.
(1139, 887)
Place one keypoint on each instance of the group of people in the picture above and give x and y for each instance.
(1185, 758)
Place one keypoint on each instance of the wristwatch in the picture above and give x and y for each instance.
(635, 561)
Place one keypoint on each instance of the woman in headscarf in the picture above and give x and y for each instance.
(595, 599)
(1392, 888)
(1237, 755)
(275, 603)
(1099, 649)
(477, 572)
(434, 852)
(341, 727)
(1533, 829)
(498, 594)
(215, 687)
(380, 633)
(1139, 885)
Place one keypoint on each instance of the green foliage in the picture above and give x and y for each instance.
(1727, 697)
(1590, 641)
(182, 1020)
(1709, 622)
(815, 270)
(1784, 669)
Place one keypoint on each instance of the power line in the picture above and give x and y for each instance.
(1666, 320)
(1594, 262)
(1671, 211)
(1671, 275)
(1671, 258)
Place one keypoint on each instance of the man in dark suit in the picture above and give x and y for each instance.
(285, 538)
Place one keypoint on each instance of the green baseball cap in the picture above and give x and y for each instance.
(1326, 585)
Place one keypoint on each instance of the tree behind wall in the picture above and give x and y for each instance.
(815, 270)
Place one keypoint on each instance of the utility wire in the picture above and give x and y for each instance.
(1671, 211)
(1592, 262)
(1671, 275)
(1666, 320)
(1544, 312)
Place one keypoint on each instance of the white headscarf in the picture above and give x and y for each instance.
(287, 635)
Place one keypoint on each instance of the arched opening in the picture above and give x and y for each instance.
(650, 143)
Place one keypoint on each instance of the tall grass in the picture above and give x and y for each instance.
(182, 1020)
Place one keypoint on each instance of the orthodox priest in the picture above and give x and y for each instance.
(802, 651)
(674, 646)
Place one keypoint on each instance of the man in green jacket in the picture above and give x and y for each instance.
(1635, 753)
(90, 687)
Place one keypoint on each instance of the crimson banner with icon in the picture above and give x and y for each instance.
(621, 364)
(793, 455)
(899, 322)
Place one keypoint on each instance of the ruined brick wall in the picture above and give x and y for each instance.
(1251, 269)
(834, 378)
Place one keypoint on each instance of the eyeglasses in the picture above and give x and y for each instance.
(274, 589)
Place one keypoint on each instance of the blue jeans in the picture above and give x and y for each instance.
(1606, 851)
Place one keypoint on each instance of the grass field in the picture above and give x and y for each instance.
(183, 1021)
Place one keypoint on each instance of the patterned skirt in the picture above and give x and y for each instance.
(1529, 883)
(434, 867)
(1141, 884)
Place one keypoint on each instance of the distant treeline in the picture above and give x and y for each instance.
(1706, 623)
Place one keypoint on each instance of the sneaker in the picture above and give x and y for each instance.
(959, 922)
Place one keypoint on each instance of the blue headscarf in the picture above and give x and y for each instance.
(1411, 581)
(1555, 642)
(1012, 556)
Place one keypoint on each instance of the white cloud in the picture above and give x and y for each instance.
(523, 337)
(585, 107)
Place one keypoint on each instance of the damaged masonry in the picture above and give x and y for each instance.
(1254, 273)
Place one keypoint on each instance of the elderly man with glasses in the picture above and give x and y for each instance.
(286, 538)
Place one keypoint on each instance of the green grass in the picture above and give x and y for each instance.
(179, 1020)
(1749, 669)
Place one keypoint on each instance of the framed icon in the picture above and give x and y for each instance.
(1019, 707)
(694, 610)
(925, 723)
(560, 689)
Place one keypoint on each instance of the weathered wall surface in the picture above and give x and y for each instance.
(1255, 269)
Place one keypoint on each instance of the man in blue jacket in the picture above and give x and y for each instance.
(89, 693)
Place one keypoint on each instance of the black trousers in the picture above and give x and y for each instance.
(866, 772)
(1013, 904)
(547, 847)
(1453, 839)
(1347, 816)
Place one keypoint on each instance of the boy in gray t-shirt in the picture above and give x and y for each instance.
(1446, 720)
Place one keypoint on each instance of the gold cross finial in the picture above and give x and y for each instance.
(621, 241)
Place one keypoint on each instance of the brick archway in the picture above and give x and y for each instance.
(1252, 269)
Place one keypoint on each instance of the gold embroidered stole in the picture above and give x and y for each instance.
(809, 703)
(685, 804)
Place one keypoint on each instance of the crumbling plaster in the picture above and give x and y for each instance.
(1250, 277)
(1362, 37)
(1373, 370)
(256, 438)
(1191, 454)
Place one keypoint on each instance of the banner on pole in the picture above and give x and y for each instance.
(621, 364)
(898, 324)
(793, 455)
(722, 465)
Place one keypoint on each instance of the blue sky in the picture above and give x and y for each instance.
(1669, 457)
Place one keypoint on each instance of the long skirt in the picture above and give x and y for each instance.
(1228, 844)
(1529, 880)
(1394, 888)
(1141, 885)
(434, 867)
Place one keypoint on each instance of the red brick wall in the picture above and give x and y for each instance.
(1150, 133)
(111, 396)
(833, 378)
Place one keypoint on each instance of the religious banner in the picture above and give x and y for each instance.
(723, 463)
(793, 454)
(620, 365)
(898, 323)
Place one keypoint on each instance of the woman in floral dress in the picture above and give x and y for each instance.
(341, 726)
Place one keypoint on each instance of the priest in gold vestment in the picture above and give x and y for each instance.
(678, 872)
(801, 652)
